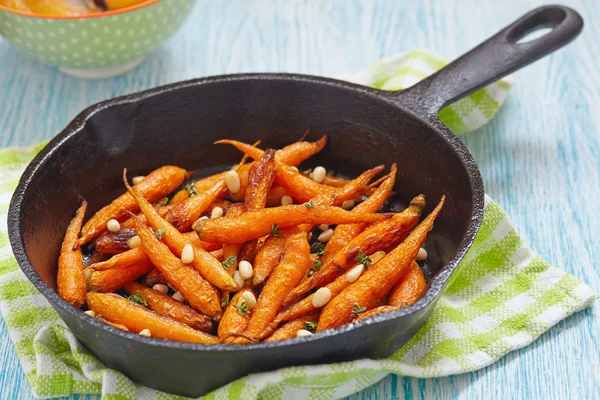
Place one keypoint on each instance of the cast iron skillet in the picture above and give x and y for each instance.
(177, 124)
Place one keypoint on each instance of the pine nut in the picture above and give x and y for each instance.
(249, 298)
(187, 254)
(245, 269)
(348, 204)
(232, 179)
(319, 174)
(321, 297)
(216, 212)
(238, 279)
(325, 235)
(323, 227)
(421, 255)
(178, 296)
(145, 332)
(286, 201)
(134, 242)
(159, 287)
(137, 179)
(303, 333)
(113, 225)
(354, 273)
(91, 313)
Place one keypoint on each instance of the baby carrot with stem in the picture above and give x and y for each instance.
(409, 289)
(70, 279)
(290, 329)
(235, 319)
(201, 295)
(375, 283)
(136, 318)
(155, 185)
(118, 271)
(208, 266)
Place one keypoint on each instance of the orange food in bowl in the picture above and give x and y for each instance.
(53, 7)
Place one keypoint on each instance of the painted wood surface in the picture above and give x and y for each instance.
(540, 157)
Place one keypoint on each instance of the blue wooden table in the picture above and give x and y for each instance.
(540, 157)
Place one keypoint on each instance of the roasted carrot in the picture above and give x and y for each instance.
(275, 195)
(306, 306)
(155, 185)
(114, 325)
(410, 288)
(208, 266)
(235, 319)
(70, 280)
(346, 232)
(119, 271)
(201, 295)
(268, 257)
(113, 242)
(375, 283)
(297, 185)
(162, 211)
(287, 274)
(375, 311)
(382, 236)
(183, 215)
(290, 329)
(231, 250)
(169, 307)
(258, 223)
(136, 318)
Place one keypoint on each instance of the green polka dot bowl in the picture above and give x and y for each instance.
(98, 45)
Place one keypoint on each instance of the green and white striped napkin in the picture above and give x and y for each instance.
(502, 297)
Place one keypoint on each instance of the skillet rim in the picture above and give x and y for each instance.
(436, 285)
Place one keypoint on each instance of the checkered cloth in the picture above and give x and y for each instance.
(501, 298)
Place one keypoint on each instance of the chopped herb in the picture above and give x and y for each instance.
(230, 260)
(160, 233)
(318, 247)
(311, 326)
(318, 264)
(138, 298)
(162, 202)
(363, 259)
(225, 301)
(357, 311)
(309, 204)
(275, 232)
(242, 309)
(191, 188)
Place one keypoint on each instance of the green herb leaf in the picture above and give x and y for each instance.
(275, 232)
(138, 298)
(242, 309)
(160, 233)
(230, 260)
(318, 247)
(225, 301)
(309, 204)
(357, 311)
(191, 188)
(363, 259)
(311, 326)
(317, 266)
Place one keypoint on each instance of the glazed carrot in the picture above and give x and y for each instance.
(208, 266)
(169, 307)
(201, 295)
(183, 215)
(268, 257)
(409, 289)
(155, 185)
(306, 306)
(162, 211)
(375, 283)
(287, 274)
(70, 280)
(346, 232)
(233, 249)
(298, 186)
(113, 242)
(136, 318)
(375, 311)
(235, 320)
(334, 181)
(298, 152)
(258, 223)
(126, 270)
(382, 236)
(118, 326)
(290, 329)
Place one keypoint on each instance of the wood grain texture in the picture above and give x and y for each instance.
(540, 157)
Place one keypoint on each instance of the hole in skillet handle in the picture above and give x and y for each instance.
(500, 55)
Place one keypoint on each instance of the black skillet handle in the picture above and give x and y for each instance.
(498, 56)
